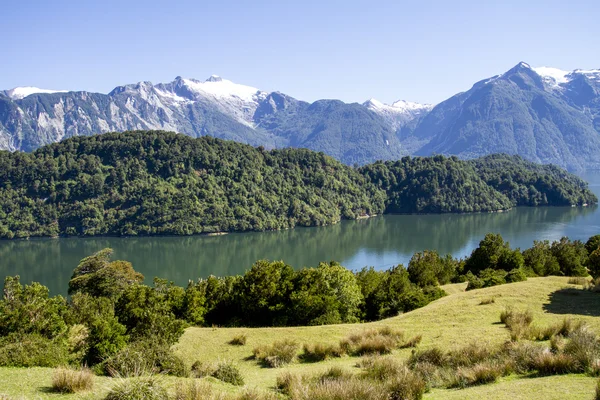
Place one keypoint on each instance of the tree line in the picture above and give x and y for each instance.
(111, 311)
(158, 183)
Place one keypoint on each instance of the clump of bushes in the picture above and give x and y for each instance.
(32, 350)
(68, 380)
(278, 354)
(146, 356)
(147, 388)
(228, 372)
(238, 340)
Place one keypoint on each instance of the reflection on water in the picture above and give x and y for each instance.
(380, 242)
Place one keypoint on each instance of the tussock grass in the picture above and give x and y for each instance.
(548, 363)
(147, 388)
(68, 380)
(238, 340)
(193, 390)
(278, 354)
(320, 352)
(489, 300)
(578, 280)
(376, 341)
(201, 369)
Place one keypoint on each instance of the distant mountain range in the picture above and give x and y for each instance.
(543, 114)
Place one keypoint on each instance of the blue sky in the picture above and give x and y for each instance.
(421, 50)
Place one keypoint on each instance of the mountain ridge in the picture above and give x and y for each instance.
(544, 114)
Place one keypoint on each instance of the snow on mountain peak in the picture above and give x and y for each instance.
(219, 88)
(553, 76)
(19, 93)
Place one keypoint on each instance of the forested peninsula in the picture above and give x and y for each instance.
(162, 183)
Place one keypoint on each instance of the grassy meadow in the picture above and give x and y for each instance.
(453, 321)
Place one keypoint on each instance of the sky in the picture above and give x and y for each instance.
(420, 50)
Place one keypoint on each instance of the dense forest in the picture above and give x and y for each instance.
(111, 314)
(153, 183)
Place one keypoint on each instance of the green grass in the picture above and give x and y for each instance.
(445, 323)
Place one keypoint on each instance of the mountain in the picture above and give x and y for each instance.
(543, 114)
(32, 117)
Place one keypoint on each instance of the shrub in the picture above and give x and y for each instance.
(238, 340)
(67, 380)
(278, 354)
(32, 350)
(516, 275)
(138, 389)
(320, 352)
(147, 356)
(229, 373)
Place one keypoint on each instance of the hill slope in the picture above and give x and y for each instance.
(151, 183)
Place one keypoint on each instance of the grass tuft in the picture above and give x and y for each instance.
(320, 352)
(147, 388)
(278, 354)
(68, 380)
(228, 372)
(238, 340)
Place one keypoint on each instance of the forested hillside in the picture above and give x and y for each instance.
(149, 183)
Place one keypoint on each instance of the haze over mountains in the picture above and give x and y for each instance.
(543, 114)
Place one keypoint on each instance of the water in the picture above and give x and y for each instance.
(380, 242)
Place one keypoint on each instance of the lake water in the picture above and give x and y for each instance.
(380, 242)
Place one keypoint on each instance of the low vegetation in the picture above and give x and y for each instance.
(69, 380)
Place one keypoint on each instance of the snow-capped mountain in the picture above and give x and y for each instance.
(543, 114)
(398, 113)
(24, 91)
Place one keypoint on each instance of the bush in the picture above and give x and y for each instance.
(278, 354)
(147, 356)
(67, 380)
(32, 350)
(138, 389)
(320, 352)
(238, 340)
(228, 373)
(516, 275)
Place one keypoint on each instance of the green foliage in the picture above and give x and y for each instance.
(152, 311)
(97, 276)
(105, 334)
(540, 260)
(493, 252)
(30, 310)
(151, 355)
(229, 373)
(429, 269)
(157, 183)
(571, 256)
(32, 350)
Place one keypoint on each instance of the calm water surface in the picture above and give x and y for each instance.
(381, 242)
